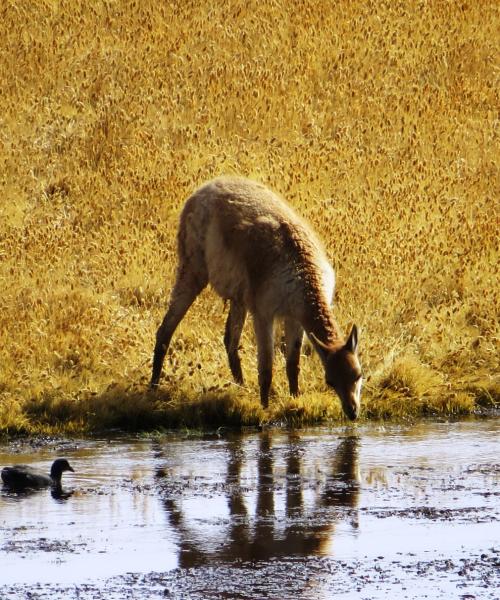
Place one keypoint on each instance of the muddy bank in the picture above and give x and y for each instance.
(312, 578)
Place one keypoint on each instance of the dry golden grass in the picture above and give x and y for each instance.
(378, 121)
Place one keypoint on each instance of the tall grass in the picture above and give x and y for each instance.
(378, 121)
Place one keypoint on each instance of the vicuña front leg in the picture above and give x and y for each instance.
(265, 349)
(293, 341)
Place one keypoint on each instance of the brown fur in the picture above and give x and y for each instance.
(260, 255)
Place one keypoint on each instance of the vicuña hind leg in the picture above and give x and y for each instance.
(232, 335)
(186, 288)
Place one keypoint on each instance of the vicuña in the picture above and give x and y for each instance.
(256, 252)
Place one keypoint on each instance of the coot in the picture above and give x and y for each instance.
(23, 476)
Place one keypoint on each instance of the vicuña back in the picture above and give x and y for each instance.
(257, 253)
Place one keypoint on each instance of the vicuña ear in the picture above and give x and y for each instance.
(318, 342)
(352, 340)
(321, 348)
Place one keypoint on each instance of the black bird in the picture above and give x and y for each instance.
(23, 476)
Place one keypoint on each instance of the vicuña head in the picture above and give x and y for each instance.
(256, 252)
(343, 371)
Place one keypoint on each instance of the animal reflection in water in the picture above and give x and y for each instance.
(281, 514)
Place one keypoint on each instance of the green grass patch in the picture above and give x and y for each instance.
(138, 409)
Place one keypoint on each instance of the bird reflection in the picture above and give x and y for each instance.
(293, 527)
(59, 494)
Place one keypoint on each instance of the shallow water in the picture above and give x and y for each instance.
(365, 512)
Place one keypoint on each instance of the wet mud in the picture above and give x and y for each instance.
(367, 512)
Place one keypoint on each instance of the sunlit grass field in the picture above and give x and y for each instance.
(377, 121)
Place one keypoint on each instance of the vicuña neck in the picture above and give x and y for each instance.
(319, 320)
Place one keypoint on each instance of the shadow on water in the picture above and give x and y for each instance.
(298, 529)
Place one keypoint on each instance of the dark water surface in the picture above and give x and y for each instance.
(355, 512)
